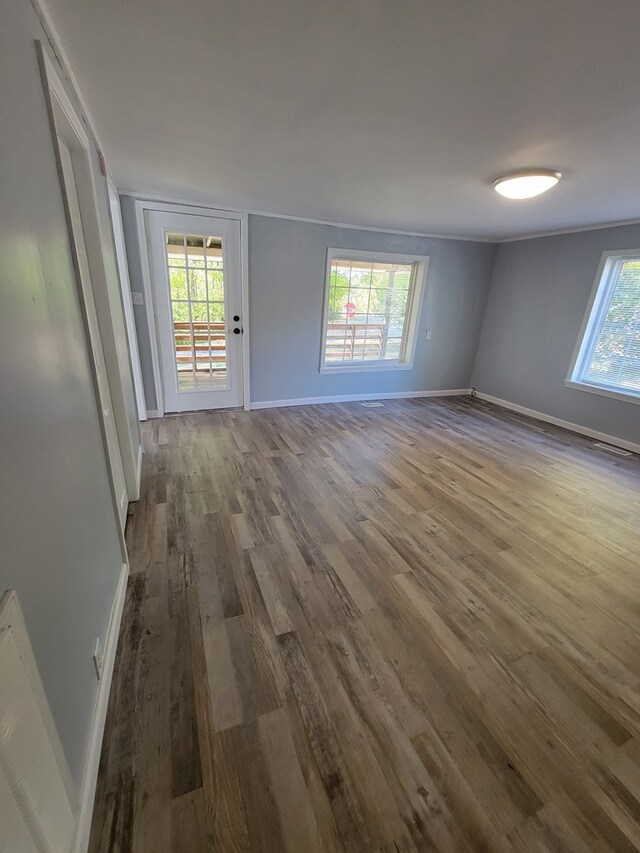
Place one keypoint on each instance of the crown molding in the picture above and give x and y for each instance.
(217, 205)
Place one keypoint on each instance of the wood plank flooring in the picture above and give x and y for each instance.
(407, 628)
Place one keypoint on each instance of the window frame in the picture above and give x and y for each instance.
(414, 310)
(594, 317)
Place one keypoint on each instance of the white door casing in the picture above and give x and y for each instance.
(103, 395)
(74, 160)
(125, 286)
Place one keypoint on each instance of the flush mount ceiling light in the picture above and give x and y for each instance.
(526, 183)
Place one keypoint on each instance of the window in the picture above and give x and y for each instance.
(372, 303)
(608, 353)
(196, 292)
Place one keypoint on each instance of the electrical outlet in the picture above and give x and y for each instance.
(137, 298)
(97, 658)
(427, 334)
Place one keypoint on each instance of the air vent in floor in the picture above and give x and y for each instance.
(371, 405)
(611, 449)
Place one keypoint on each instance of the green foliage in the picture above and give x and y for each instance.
(378, 297)
(178, 284)
(180, 312)
(197, 285)
(616, 355)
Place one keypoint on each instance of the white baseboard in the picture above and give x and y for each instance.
(88, 790)
(349, 398)
(550, 419)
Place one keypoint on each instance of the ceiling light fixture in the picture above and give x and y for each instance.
(526, 183)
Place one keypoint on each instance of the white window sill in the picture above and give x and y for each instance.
(366, 367)
(629, 396)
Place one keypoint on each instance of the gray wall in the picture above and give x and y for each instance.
(60, 546)
(538, 294)
(538, 297)
(287, 263)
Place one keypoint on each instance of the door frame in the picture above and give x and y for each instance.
(125, 289)
(141, 206)
(61, 110)
(66, 118)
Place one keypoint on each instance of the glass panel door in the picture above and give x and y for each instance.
(195, 266)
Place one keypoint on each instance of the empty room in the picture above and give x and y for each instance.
(320, 426)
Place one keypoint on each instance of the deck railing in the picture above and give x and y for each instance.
(199, 345)
(349, 341)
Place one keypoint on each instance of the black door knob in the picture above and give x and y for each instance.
(236, 317)
(236, 331)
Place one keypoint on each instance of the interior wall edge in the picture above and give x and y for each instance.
(540, 291)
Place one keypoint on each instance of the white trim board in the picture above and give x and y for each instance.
(149, 309)
(90, 777)
(139, 470)
(349, 398)
(125, 293)
(66, 124)
(568, 425)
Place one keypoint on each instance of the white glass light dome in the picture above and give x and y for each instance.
(526, 183)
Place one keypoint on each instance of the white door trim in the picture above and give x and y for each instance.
(58, 101)
(67, 121)
(141, 206)
(125, 289)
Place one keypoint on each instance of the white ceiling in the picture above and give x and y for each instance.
(387, 113)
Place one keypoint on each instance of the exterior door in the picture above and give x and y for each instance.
(110, 433)
(195, 267)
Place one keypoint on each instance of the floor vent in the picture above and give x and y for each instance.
(611, 449)
(372, 405)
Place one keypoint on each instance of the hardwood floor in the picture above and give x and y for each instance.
(406, 628)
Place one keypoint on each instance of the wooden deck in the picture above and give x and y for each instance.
(410, 628)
